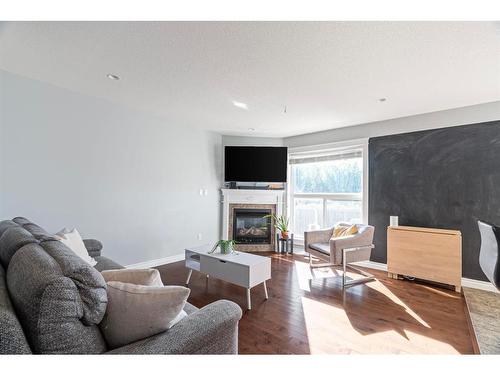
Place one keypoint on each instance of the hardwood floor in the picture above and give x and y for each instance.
(308, 313)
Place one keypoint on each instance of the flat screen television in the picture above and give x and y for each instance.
(255, 164)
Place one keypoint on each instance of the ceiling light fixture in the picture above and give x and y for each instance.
(240, 105)
(381, 100)
(113, 77)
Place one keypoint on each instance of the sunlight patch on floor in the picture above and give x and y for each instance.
(330, 330)
(306, 274)
(429, 345)
(443, 293)
(378, 286)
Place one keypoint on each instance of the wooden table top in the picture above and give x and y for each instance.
(426, 230)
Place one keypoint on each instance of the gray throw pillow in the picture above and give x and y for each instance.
(135, 312)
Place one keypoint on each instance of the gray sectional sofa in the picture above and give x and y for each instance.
(51, 302)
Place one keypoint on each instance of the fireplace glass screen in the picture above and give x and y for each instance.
(251, 227)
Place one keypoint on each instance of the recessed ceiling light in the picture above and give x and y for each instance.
(382, 99)
(251, 129)
(113, 77)
(240, 105)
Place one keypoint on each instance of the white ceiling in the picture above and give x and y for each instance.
(327, 74)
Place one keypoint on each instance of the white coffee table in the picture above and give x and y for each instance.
(243, 269)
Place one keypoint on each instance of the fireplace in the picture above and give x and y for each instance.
(256, 204)
(251, 227)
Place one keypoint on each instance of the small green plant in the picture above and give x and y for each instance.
(280, 223)
(226, 246)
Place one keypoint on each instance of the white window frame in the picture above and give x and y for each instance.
(358, 144)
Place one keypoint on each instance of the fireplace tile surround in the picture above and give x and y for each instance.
(234, 199)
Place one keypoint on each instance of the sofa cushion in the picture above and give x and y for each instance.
(6, 224)
(59, 330)
(93, 247)
(12, 339)
(58, 299)
(11, 241)
(38, 232)
(21, 220)
(89, 282)
(104, 263)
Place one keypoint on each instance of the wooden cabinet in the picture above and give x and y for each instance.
(425, 253)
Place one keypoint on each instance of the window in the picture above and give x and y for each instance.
(326, 187)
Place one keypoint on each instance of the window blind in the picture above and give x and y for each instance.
(314, 157)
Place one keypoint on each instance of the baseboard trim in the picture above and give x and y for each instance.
(466, 282)
(479, 284)
(157, 262)
(372, 265)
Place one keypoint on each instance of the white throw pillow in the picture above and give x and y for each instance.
(144, 276)
(135, 312)
(74, 241)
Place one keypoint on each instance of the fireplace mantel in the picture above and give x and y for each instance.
(231, 197)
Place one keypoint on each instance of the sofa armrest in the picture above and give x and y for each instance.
(317, 236)
(93, 247)
(211, 330)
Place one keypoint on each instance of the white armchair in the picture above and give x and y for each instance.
(341, 250)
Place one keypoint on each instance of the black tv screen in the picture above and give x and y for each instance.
(255, 164)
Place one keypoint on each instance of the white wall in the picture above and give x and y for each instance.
(127, 178)
(452, 117)
(433, 120)
(228, 140)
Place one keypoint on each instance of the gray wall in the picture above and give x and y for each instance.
(434, 120)
(125, 177)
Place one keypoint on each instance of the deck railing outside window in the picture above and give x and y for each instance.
(326, 188)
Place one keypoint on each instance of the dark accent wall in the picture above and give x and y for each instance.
(443, 178)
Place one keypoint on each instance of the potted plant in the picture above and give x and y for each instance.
(226, 246)
(280, 223)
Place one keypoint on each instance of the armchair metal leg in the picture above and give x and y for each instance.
(319, 265)
(368, 277)
(322, 265)
(344, 268)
